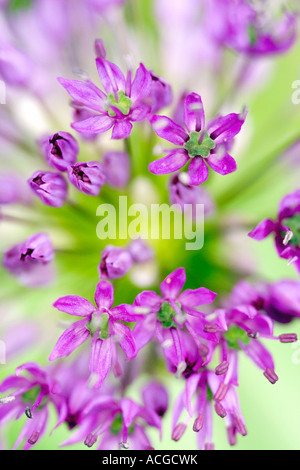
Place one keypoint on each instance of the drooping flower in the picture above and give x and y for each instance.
(119, 424)
(51, 188)
(103, 325)
(198, 144)
(115, 262)
(165, 317)
(161, 94)
(116, 166)
(122, 103)
(60, 150)
(87, 177)
(30, 261)
(189, 197)
(31, 395)
(286, 229)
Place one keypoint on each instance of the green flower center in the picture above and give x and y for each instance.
(234, 335)
(199, 144)
(293, 223)
(209, 393)
(31, 395)
(16, 5)
(165, 316)
(101, 324)
(117, 425)
(252, 33)
(123, 103)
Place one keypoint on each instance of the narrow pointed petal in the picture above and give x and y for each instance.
(125, 339)
(122, 129)
(94, 125)
(197, 297)
(198, 171)
(111, 77)
(104, 295)
(173, 284)
(70, 340)
(225, 128)
(100, 360)
(262, 230)
(169, 130)
(174, 161)
(194, 116)
(223, 164)
(84, 94)
(141, 85)
(74, 305)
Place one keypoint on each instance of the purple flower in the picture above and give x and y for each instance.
(30, 395)
(102, 325)
(115, 262)
(116, 166)
(164, 318)
(250, 29)
(155, 397)
(12, 190)
(198, 399)
(121, 104)
(87, 177)
(30, 261)
(51, 188)
(60, 150)
(140, 251)
(188, 197)
(121, 424)
(161, 94)
(198, 144)
(286, 229)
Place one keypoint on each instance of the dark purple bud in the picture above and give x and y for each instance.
(271, 376)
(60, 150)
(222, 368)
(116, 166)
(115, 262)
(87, 177)
(90, 440)
(140, 251)
(155, 397)
(29, 261)
(288, 338)
(51, 188)
(178, 432)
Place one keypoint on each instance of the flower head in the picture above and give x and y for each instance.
(60, 150)
(51, 188)
(197, 144)
(87, 177)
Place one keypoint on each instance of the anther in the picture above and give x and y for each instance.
(288, 338)
(198, 423)
(221, 392)
(178, 432)
(90, 440)
(271, 376)
(222, 368)
(28, 412)
(220, 410)
(33, 438)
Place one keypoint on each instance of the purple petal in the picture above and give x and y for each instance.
(125, 313)
(149, 299)
(156, 398)
(84, 94)
(173, 284)
(289, 205)
(144, 331)
(104, 295)
(198, 171)
(191, 386)
(94, 125)
(70, 340)
(169, 130)
(125, 339)
(194, 116)
(225, 128)
(262, 230)
(259, 355)
(121, 130)
(174, 161)
(74, 305)
(141, 85)
(100, 360)
(197, 297)
(111, 77)
(222, 164)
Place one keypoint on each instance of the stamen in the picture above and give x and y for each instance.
(241, 427)
(292, 260)
(167, 344)
(180, 369)
(271, 376)
(90, 440)
(253, 334)
(220, 410)
(124, 445)
(288, 338)
(210, 328)
(203, 350)
(178, 432)
(28, 413)
(198, 423)
(209, 447)
(34, 438)
(288, 236)
(222, 392)
(5, 400)
(184, 178)
(222, 368)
